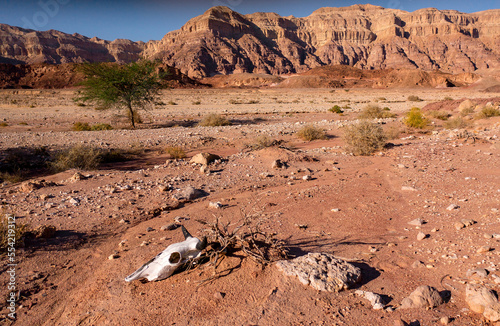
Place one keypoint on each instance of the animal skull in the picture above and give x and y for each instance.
(165, 263)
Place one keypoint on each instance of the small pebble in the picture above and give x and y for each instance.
(421, 236)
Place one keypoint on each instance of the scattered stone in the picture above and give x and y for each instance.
(77, 177)
(406, 188)
(335, 210)
(421, 236)
(74, 201)
(417, 264)
(423, 297)
(400, 322)
(375, 299)
(32, 185)
(163, 188)
(452, 207)
(322, 271)
(277, 164)
(189, 193)
(150, 229)
(445, 320)
(484, 249)
(204, 169)
(204, 158)
(478, 273)
(45, 231)
(216, 205)
(417, 222)
(219, 295)
(483, 301)
(170, 227)
(113, 256)
(306, 177)
(434, 230)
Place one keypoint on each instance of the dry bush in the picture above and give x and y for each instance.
(310, 133)
(101, 126)
(415, 119)
(336, 109)
(77, 157)
(176, 153)
(441, 115)
(455, 123)
(264, 141)
(364, 138)
(11, 232)
(214, 120)
(18, 164)
(414, 98)
(246, 236)
(488, 112)
(375, 112)
(84, 126)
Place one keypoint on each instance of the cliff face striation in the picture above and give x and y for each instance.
(222, 41)
(24, 46)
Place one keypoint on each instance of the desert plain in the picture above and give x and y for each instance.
(424, 210)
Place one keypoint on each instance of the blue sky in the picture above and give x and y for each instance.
(146, 20)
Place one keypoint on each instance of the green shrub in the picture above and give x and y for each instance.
(214, 120)
(77, 157)
(3, 124)
(414, 98)
(171, 103)
(364, 138)
(11, 231)
(488, 112)
(310, 133)
(447, 98)
(455, 123)
(176, 153)
(336, 109)
(415, 119)
(375, 112)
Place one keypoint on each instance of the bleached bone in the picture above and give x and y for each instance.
(174, 256)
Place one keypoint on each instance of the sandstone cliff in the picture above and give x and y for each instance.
(222, 41)
(24, 46)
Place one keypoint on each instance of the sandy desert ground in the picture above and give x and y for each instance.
(355, 207)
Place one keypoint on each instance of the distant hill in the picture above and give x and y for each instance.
(222, 41)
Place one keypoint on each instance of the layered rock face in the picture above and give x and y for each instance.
(23, 46)
(222, 41)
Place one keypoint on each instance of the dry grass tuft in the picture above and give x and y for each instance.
(176, 153)
(310, 133)
(375, 112)
(214, 120)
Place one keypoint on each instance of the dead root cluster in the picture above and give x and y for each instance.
(247, 236)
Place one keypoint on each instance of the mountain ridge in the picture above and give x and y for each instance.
(223, 41)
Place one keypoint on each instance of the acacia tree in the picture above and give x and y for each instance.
(128, 87)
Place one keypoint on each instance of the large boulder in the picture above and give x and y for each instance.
(423, 297)
(322, 271)
(483, 301)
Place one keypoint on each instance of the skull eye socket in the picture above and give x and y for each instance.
(175, 257)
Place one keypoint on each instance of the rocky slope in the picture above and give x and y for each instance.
(222, 41)
(18, 45)
(49, 76)
(364, 36)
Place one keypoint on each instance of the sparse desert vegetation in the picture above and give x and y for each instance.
(364, 138)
